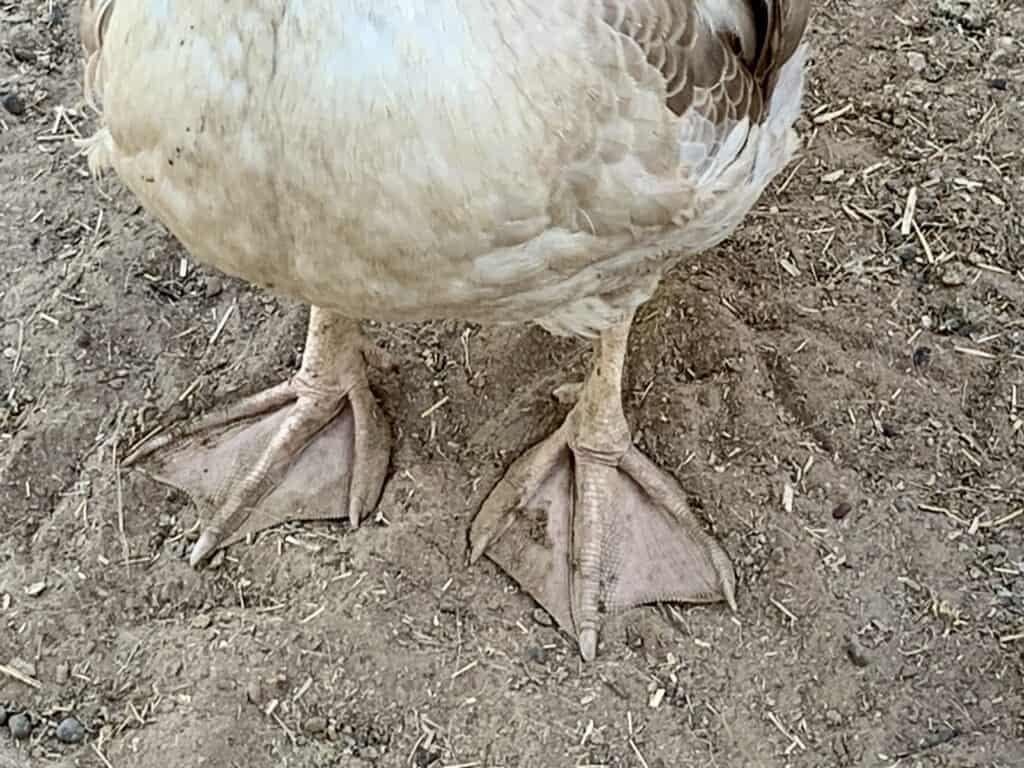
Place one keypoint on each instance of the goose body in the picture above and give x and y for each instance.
(506, 161)
(490, 160)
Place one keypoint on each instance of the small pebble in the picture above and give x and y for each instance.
(23, 53)
(953, 274)
(921, 356)
(536, 654)
(424, 758)
(315, 725)
(917, 61)
(905, 505)
(907, 252)
(1006, 47)
(70, 731)
(857, 653)
(20, 726)
(842, 509)
(202, 621)
(833, 718)
(1006, 43)
(13, 103)
(542, 617)
(35, 589)
(254, 692)
(213, 287)
(449, 607)
(63, 673)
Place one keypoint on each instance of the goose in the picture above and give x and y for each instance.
(490, 161)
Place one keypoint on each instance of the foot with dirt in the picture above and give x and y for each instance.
(313, 448)
(615, 532)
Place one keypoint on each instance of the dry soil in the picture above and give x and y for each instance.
(839, 388)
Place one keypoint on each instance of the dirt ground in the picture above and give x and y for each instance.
(840, 388)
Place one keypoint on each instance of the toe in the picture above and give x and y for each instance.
(204, 547)
(513, 492)
(371, 453)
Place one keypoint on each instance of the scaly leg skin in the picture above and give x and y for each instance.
(589, 526)
(315, 447)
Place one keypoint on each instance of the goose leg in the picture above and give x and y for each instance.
(590, 526)
(314, 447)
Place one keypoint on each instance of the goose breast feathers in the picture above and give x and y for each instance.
(500, 160)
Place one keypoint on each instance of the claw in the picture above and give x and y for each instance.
(203, 548)
(588, 643)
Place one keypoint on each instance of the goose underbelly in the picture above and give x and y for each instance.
(349, 154)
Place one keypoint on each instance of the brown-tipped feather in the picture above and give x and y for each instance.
(699, 60)
(92, 24)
